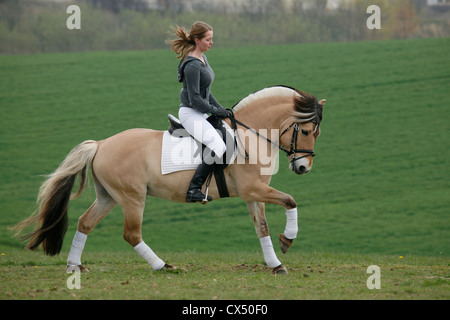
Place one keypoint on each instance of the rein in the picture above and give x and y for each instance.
(293, 146)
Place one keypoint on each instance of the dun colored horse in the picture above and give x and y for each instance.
(127, 167)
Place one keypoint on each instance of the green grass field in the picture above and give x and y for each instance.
(225, 276)
(379, 186)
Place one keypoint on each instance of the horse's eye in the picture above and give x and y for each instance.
(305, 132)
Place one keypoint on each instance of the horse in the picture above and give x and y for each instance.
(126, 168)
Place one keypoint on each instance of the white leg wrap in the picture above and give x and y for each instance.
(145, 252)
(291, 229)
(76, 250)
(269, 254)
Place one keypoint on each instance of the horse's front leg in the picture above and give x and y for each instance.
(264, 193)
(257, 213)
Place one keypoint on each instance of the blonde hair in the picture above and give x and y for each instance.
(185, 42)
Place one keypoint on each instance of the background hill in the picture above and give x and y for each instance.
(37, 26)
(380, 178)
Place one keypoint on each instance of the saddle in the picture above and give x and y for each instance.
(176, 129)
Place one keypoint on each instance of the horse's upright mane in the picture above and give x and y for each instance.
(306, 106)
(264, 93)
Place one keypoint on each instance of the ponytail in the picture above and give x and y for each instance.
(185, 42)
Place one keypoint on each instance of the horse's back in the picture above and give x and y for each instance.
(127, 143)
(128, 156)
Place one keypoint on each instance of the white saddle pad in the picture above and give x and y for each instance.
(185, 153)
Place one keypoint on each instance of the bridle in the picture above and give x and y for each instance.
(293, 146)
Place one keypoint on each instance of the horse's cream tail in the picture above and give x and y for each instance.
(269, 254)
(153, 260)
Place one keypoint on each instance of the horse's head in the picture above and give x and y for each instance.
(304, 127)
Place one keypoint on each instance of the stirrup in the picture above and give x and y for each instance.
(196, 195)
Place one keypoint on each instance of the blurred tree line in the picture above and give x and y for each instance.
(36, 26)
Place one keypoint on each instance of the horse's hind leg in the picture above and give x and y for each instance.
(132, 233)
(86, 223)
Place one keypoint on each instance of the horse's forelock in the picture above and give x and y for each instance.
(307, 108)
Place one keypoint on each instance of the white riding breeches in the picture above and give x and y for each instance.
(196, 124)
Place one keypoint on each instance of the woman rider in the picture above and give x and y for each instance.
(197, 100)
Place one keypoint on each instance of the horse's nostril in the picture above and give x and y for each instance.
(302, 169)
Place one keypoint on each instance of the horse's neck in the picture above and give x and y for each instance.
(265, 114)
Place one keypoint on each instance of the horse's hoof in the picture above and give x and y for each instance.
(280, 270)
(284, 242)
(72, 268)
(170, 267)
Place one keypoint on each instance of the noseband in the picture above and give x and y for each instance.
(293, 148)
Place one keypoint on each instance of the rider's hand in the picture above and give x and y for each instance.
(223, 113)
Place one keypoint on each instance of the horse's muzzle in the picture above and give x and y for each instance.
(300, 166)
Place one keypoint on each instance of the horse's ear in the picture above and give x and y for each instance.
(322, 102)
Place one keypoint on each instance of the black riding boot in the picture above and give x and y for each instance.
(194, 193)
